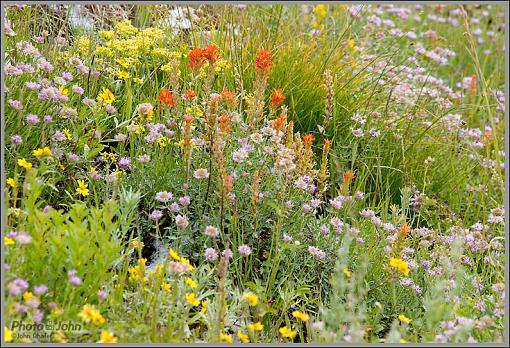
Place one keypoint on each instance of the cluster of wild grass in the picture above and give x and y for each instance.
(264, 173)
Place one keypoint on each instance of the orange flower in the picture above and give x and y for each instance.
(166, 97)
(263, 62)
(349, 176)
(308, 139)
(224, 122)
(404, 229)
(327, 144)
(196, 58)
(211, 53)
(277, 98)
(229, 98)
(190, 94)
(279, 122)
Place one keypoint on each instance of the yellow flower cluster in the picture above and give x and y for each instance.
(91, 314)
(400, 265)
(45, 151)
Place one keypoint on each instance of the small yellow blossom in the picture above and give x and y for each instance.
(402, 340)
(404, 319)
(108, 337)
(24, 163)
(28, 295)
(63, 90)
(165, 286)
(400, 265)
(82, 188)
(123, 75)
(7, 334)
(190, 282)
(11, 182)
(347, 273)
(8, 241)
(45, 151)
(226, 338)
(106, 96)
(192, 300)
(287, 332)
(204, 307)
(255, 327)
(91, 314)
(68, 134)
(300, 315)
(251, 298)
(122, 62)
(243, 337)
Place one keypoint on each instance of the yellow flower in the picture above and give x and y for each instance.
(8, 241)
(251, 298)
(25, 164)
(195, 111)
(68, 134)
(320, 10)
(7, 334)
(106, 34)
(27, 295)
(82, 188)
(11, 182)
(347, 273)
(287, 332)
(255, 327)
(97, 318)
(135, 243)
(204, 307)
(122, 62)
(108, 337)
(165, 286)
(173, 254)
(402, 340)
(400, 265)
(138, 80)
(45, 151)
(90, 313)
(106, 96)
(63, 90)
(300, 315)
(226, 338)
(190, 282)
(192, 300)
(123, 75)
(243, 337)
(404, 319)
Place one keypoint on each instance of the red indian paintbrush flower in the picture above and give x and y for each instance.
(211, 53)
(263, 62)
(308, 139)
(190, 94)
(277, 98)
(166, 97)
(196, 58)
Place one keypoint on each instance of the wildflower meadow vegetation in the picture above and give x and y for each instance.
(254, 173)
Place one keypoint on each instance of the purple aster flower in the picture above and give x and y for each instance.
(156, 215)
(185, 200)
(210, 255)
(124, 163)
(16, 139)
(244, 250)
(40, 290)
(227, 253)
(32, 119)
